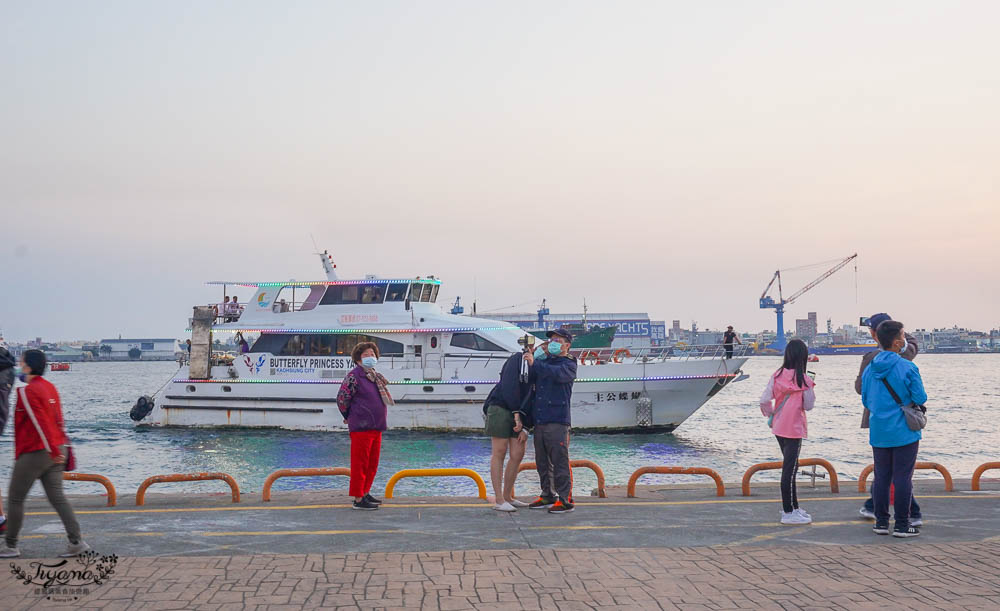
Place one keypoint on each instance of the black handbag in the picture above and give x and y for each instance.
(916, 415)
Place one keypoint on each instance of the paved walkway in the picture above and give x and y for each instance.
(672, 549)
(908, 575)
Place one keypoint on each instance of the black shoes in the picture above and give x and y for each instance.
(541, 502)
(560, 507)
(364, 505)
(372, 500)
(881, 527)
(907, 531)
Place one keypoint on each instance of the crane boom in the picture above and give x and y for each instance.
(825, 275)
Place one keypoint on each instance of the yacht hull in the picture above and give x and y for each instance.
(606, 398)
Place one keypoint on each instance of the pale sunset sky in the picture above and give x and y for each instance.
(661, 157)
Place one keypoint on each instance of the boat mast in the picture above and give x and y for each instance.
(328, 265)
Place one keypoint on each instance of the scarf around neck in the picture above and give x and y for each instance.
(381, 383)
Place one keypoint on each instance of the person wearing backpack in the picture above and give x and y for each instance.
(888, 384)
(41, 450)
(786, 399)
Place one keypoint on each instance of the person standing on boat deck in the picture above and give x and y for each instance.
(505, 425)
(6, 384)
(553, 372)
(40, 451)
(787, 398)
(909, 353)
(363, 400)
(222, 310)
(234, 310)
(889, 383)
(727, 341)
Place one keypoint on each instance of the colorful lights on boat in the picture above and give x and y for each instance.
(432, 382)
(370, 281)
(365, 331)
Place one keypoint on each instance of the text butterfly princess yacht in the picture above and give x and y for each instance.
(440, 366)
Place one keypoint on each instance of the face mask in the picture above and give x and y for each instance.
(905, 345)
(368, 362)
(555, 348)
(539, 354)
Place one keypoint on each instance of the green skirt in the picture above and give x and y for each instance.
(499, 422)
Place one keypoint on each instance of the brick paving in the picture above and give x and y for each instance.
(889, 574)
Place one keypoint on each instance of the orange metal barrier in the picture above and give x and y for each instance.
(266, 492)
(100, 479)
(720, 488)
(804, 462)
(978, 475)
(435, 473)
(948, 484)
(588, 464)
(140, 495)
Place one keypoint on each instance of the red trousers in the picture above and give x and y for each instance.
(365, 449)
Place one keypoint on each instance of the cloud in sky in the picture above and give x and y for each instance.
(660, 157)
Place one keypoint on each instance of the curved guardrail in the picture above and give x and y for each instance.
(435, 473)
(305, 472)
(804, 462)
(574, 464)
(91, 477)
(983, 468)
(720, 488)
(949, 485)
(140, 494)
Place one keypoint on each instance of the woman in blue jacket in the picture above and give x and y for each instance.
(894, 445)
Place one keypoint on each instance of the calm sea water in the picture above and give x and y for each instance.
(728, 434)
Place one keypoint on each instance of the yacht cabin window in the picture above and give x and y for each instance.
(340, 294)
(372, 293)
(321, 344)
(396, 292)
(471, 341)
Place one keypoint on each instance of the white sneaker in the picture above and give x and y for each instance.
(795, 518)
(867, 514)
(916, 522)
(505, 507)
(518, 504)
(9, 552)
(801, 512)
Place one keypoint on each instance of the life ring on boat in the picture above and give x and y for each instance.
(617, 356)
(590, 355)
(141, 409)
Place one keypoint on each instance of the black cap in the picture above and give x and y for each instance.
(561, 332)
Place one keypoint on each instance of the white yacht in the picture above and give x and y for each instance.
(440, 366)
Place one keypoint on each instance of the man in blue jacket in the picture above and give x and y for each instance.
(909, 353)
(553, 372)
(894, 444)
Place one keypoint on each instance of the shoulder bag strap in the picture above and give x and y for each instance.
(892, 392)
(23, 396)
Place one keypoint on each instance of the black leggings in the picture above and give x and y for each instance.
(790, 464)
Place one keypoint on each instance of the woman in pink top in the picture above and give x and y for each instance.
(787, 398)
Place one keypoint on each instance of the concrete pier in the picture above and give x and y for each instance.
(674, 547)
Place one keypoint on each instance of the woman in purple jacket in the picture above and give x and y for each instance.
(363, 399)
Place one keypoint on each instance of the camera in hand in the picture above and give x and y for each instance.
(527, 342)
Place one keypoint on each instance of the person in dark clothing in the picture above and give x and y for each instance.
(727, 341)
(505, 419)
(363, 400)
(553, 372)
(6, 384)
(909, 353)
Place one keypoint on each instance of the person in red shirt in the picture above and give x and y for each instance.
(40, 450)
